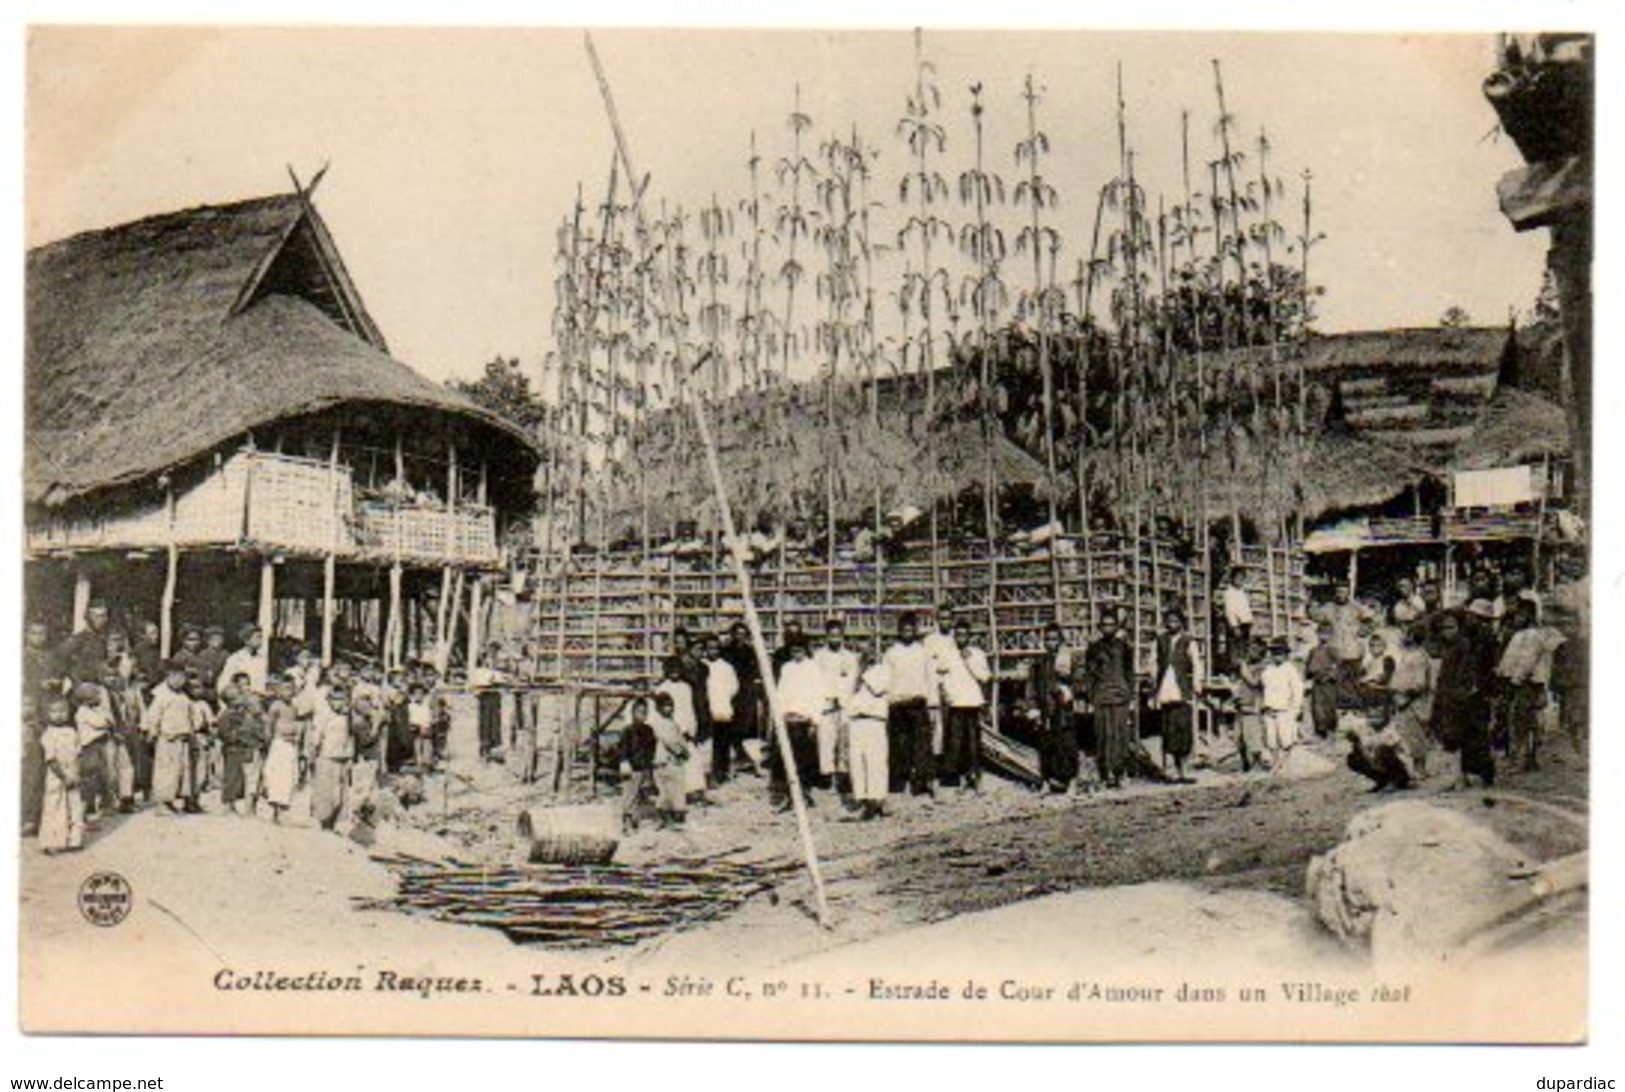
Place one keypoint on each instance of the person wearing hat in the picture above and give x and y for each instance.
(1111, 686)
(1179, 675)
(1282, 687)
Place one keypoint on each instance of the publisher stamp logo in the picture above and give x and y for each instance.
(105, 898)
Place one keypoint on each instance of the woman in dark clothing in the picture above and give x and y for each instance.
(1050, 692)
(1461, 711)
(1110, 683)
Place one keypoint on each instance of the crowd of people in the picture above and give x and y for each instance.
(860, 728)
(1484, 678)
(111, 726)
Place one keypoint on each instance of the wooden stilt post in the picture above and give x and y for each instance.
(267, 607)
(81, 596)
(1354, 573)
(330, 563)
(395, 627)
(172, 564)
(166, 607)
(443, 615)
(474, 591)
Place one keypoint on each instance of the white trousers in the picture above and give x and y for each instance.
(870, 772)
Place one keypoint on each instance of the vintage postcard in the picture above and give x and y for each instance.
(821, 534)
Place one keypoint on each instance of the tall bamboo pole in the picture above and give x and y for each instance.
(1198, 337)
(1035, 199)
(741, 569)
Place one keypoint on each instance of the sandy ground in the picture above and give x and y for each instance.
(1151, 882)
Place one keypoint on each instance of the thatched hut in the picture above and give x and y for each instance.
(774, 447)
(216, 432)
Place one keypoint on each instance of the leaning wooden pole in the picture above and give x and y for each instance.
(764, 662)
(753, 622)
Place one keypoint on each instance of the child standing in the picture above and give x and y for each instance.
(93, 719)
(420, 718)
(1282, 693)
(242, 739)
(282, 759)
(866, 714)
(1322, 669)
(638, 748)
(333, 751)
(1249, 699)
(169, 723)
(671, 762)
(62, 812)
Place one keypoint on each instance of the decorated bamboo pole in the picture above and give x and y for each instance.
(1039, 195)
(923, 136)
(1199, 345)
(984, 243)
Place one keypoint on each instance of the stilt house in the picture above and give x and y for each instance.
(216, 433)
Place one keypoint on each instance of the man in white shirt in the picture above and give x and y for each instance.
(721, 690)
(935, 636)
(839, 665)
(1238, 616)
(250, 659)
(908, 723)
(804, 698)
(964, 674)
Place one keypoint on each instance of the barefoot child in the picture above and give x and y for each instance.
(671, 762)
(62, 811)
(282, 759)
(638, 747)
(1282, 688)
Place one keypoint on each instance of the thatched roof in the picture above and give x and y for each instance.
(153, 343)
(1341, 471)
(1436, 350)
(1516, 427)
(773, 448)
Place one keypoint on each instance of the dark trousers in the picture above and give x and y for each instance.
(1323, 707)
(803, 749)
(961, 746)
(908, 746)
(95, 778)
(490, 706)
(723, 741)
(1523, 708)
(1058, 749)
(1114, 734)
